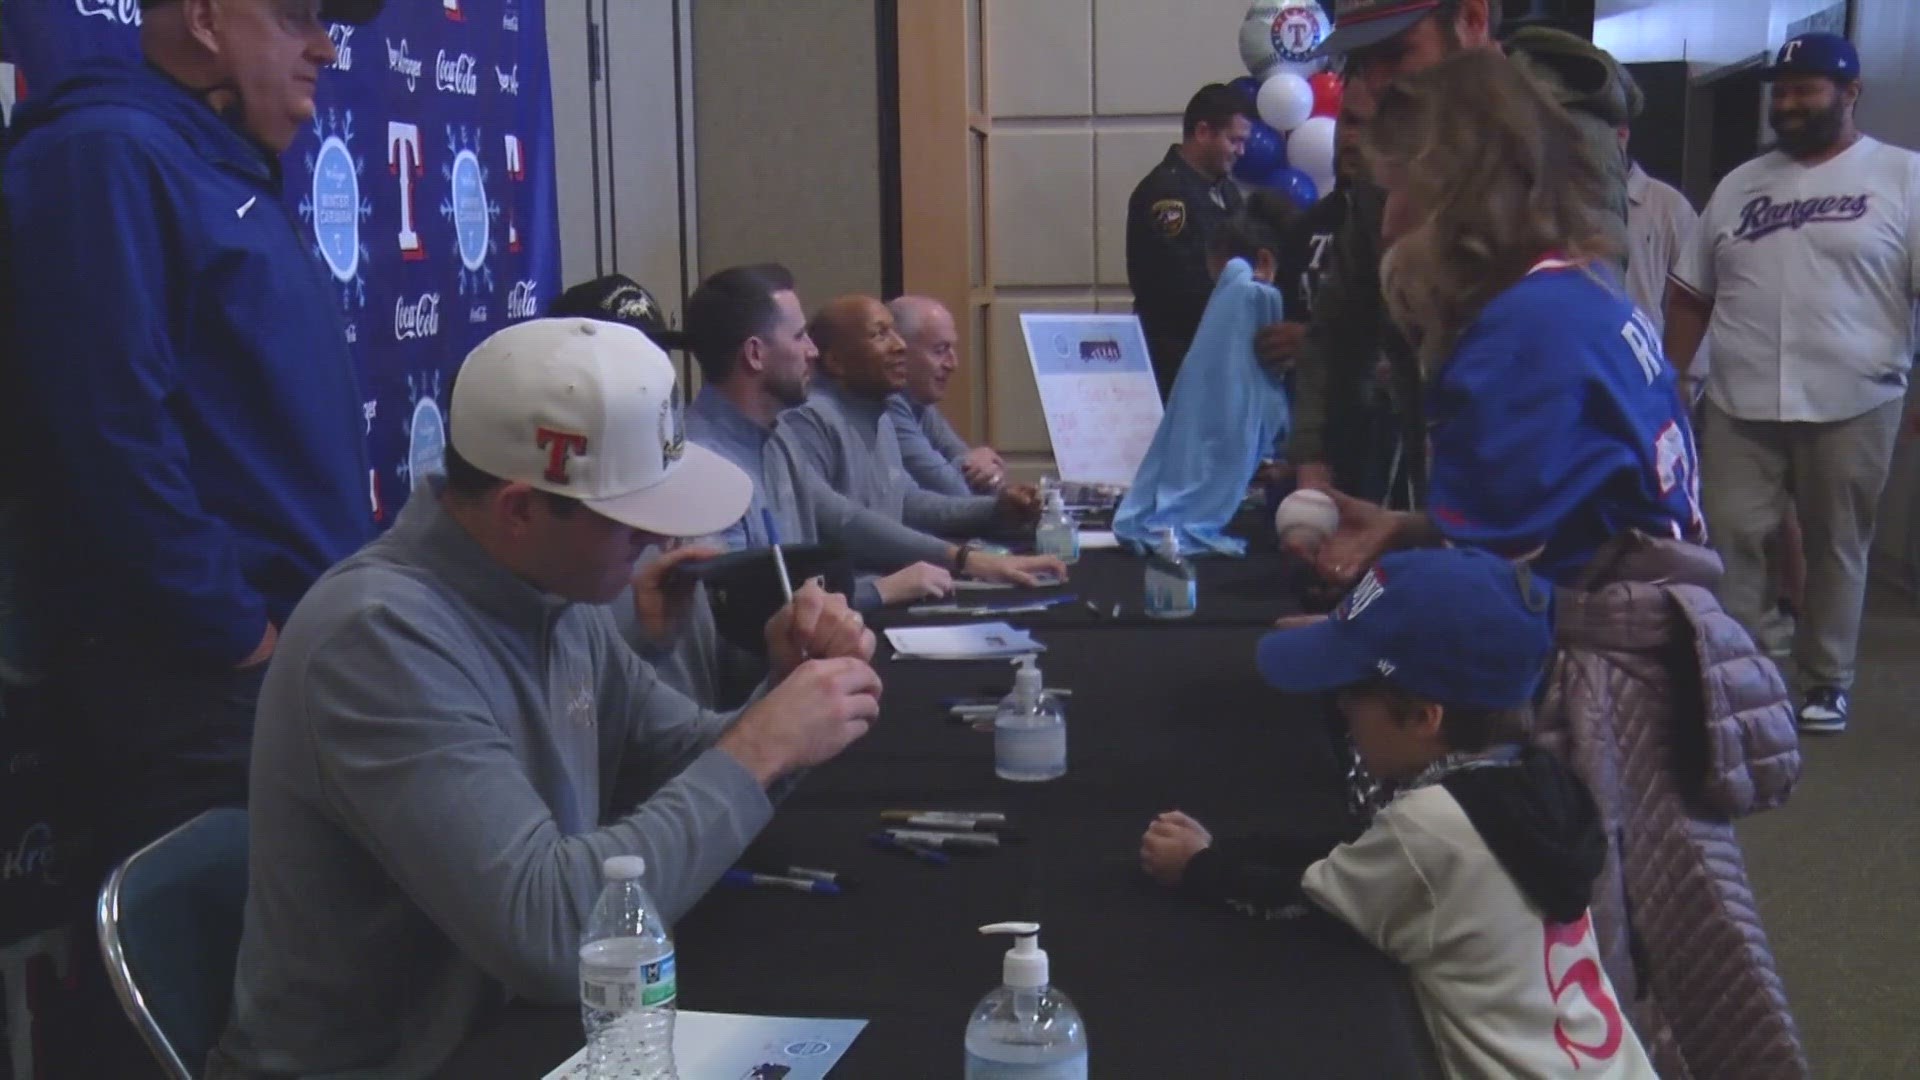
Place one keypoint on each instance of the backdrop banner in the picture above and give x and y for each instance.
(425, 184)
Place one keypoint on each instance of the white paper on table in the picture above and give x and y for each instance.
(1098, 540)
(730, 1046)
(1097, 392)
(969, 641)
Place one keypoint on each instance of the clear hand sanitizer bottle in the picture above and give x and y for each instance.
(1026, 1029)
(1058, 534)
(1173, 590)
(1030, 730)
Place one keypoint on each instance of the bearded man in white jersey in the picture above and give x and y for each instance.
(1804, 268)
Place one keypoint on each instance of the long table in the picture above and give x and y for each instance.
(1161, 718)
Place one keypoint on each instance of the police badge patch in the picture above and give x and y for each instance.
(1170, 216)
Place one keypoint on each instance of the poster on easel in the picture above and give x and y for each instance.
(1097, 391)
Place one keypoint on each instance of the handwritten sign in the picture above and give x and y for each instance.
(1097, 391)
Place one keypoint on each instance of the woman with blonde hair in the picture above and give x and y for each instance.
(1558, 440)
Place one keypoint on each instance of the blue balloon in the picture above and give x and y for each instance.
(1296, 185)
(1265, 154)
(1247, 85)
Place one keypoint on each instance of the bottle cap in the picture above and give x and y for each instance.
(1026, 963)
(624, 868)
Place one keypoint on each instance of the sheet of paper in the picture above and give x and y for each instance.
(1098, 540)
(729, 1046)
(1097, 391)
(970, 641)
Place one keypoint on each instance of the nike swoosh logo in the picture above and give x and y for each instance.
(246, 206)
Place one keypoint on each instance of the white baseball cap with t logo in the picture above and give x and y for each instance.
(585, 409)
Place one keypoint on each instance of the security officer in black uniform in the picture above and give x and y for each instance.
(1168, 219)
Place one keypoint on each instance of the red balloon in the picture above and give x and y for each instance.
(1328, 91)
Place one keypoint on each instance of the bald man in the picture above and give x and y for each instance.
(936, 456)
(845, 434)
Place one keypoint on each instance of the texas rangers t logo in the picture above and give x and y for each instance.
(559, 445)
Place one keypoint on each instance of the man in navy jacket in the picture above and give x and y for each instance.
(194, 424)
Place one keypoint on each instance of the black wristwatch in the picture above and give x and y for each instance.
(960, 558)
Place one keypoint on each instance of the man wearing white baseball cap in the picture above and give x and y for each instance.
(439, 731)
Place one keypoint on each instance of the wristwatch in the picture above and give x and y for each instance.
(961, 552)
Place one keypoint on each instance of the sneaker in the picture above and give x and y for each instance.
(1825, 712)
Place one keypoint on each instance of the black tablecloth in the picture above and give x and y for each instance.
(1108, 587)
(1169, 986)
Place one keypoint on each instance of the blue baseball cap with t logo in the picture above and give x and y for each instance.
(1457, 626)
(1824, 55)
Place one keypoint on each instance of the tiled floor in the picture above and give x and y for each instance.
(1838, 869)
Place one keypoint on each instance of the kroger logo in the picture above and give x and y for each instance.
(336, 208)
(522, 302)
(472, 221)
(403, 65)
(457, 75)
(124, 12)
(420, 319)
(342, 37)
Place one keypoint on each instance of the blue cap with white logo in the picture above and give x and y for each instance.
(1457, 626)
(1827, 55)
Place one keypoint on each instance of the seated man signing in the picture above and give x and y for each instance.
(440, 728)
(845, 434)
(935, 455)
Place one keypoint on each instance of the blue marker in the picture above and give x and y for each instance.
(888, 842)
(746, 879)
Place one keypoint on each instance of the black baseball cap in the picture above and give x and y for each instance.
(350, 12)
(618, 298)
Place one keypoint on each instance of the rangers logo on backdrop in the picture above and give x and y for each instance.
(335, 207)
(516, 174)
(452, 9)
(405, 162)
(471, 210)
(124, 12)
(420, 319)
(457, 74)
(342, 37)
(404, 65)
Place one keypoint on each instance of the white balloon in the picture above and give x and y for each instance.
(1323, 184)
(1310, 148)
(1286, 102)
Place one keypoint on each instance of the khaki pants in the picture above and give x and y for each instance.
(1833, 473)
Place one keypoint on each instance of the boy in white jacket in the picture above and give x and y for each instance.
(1478, 874)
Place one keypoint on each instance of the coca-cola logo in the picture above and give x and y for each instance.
(33, 857)
(342, 37)
(509, 79)
(404, 65)
(510, 19)
(124, 12)
(457, 74)
(477, 314)
(522, 302)
(420, 319)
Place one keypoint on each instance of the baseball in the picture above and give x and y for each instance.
(1307, 509)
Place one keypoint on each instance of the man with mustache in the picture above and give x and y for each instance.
(1804, 269)
(844, 434)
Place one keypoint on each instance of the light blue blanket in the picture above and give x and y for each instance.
(1224, 415)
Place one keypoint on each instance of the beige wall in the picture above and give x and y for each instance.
(1079, 99)
(787, 137)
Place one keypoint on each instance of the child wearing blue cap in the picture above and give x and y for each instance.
(1478, 874)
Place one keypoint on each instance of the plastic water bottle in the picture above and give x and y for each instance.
(1030, 730)
(627, 980)
(1058, 534)
(1025, 1029)
(1173, 589)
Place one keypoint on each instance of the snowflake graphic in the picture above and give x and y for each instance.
(426, 430)
(335, 207)
(471, 210)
